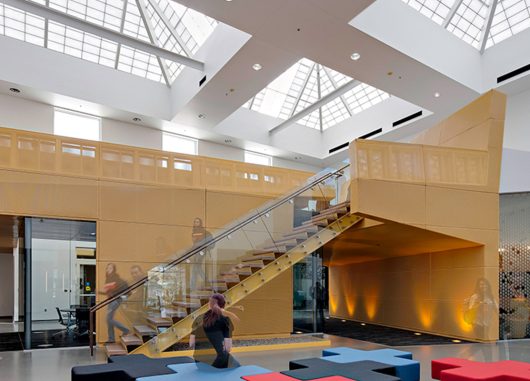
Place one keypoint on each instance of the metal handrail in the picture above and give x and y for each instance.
(194, 250)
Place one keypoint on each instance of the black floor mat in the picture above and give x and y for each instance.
(41, 339)
(383, 335)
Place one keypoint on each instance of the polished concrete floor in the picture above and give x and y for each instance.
(55, 364)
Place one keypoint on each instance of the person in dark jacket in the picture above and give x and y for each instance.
(213, 330)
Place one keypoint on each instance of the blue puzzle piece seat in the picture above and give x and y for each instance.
(406, 368)
(204, 372)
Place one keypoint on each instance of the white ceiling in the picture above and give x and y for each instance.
(402, 53)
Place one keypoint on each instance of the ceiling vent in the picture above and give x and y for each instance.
(407, 118)
(370, 134)
(513, 73)
(339, 147)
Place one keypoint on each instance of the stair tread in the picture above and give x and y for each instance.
(115, 349)
(160, 321)
(144, 330)
(131, 339)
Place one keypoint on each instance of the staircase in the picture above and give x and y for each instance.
(255, 268)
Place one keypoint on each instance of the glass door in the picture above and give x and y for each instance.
(309, 294)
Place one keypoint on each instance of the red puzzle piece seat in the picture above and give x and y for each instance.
(283, 377)
(454, 369)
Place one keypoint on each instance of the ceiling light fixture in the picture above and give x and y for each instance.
(201, 116)
(136, 119)
(437, 94)
(256, 66)
(228, 141)
(355, 56)
(14, 90)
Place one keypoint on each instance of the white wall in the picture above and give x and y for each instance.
(23, 114)
(6, 284)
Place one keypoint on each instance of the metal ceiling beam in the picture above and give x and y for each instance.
(88, 27)
(297, 100)
(451, 13)
(171, 28)
(152, 37)
(335, 85)
(487, 26)
(308, 110)
(122, 25)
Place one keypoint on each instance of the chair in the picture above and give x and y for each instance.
(82, 317)
(65, 322)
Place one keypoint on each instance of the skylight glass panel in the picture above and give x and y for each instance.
(21, 25)
(510, 17)
(139, 63)
(436, 10)
(304, 84)
(79, 44)
(106, 13)
(469, 20)
(174, 28)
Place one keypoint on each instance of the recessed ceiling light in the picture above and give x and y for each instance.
(201, 116)
(297, 157)
(437, 94)
(298, 332)
(14, 90)
(256, 66)
(456, 341)
(355, 56)
(363, 323)
(92, 233)
(417, 333)
(136, 119)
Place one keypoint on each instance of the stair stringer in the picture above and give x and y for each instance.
(182, 328)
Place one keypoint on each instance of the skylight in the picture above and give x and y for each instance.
(164, 23)
(468, 19)
(304, 84)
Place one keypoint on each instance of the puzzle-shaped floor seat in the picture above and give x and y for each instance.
(455, 369)
(282, 377)
(205, 372)
(406, 368)
(126, 368)
(316, 368)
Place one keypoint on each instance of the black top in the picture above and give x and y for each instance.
(212, 337)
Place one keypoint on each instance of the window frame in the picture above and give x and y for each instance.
(77, 114)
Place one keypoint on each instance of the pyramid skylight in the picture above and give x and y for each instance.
(306, 83)
(481, 23)
(164, 23)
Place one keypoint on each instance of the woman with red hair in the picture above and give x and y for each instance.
(214, 329)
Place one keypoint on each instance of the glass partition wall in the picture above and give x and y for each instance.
(63, 276)
(514, 266)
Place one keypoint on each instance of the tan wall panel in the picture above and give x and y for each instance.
(150, 204)
(135, 242)
(46, 195)
(476, 137)
(269, 310)
(443, 202)
(223, 208)
(76, 197)
(407, 204)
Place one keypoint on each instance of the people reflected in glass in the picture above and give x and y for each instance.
(199, 236)
(114, 284)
